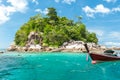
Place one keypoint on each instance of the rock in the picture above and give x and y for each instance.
(48, 49)
(57, 50)
(1, 52)
(78, 46)
(24, 48)
(103, 47)
(18, 48)
(34, 48)
(73, 45)
(12, 47)
(33, 37)
(38, 46)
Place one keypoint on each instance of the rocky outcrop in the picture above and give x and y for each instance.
(33, 43)
(12, 47)
(71, 46)
(34, 38)
(1, 52)
(78, 46)
(34, 48)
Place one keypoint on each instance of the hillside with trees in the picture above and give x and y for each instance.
(53, 30)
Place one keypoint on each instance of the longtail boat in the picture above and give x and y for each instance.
(101, 57)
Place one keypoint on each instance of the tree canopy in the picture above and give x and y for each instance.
(56, 30)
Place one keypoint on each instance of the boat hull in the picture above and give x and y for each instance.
(101, 57)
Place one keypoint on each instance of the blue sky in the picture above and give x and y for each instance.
(99, 16)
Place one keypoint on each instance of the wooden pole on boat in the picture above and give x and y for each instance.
(86, 47)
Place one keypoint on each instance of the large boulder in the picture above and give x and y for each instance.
(35, 48)
(12, 47)
(74, 45)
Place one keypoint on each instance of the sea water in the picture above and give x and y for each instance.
(55, 66)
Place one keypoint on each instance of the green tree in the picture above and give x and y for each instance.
(54, 30)
(52, 14)
(54, 37)
(21, 38)
(92, 38)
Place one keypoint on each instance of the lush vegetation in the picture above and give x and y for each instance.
(54, 30)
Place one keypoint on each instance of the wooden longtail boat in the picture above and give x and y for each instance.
(100, 57)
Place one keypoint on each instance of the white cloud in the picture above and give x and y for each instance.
(112, 44)
(90, 12)
(5, 12)
(115, 35)
(99, 9)
(117, 9)
(57, 1)
(3, 17)
(98, 32)
(66, 1)
(35, 1)
(110, 1)
(113, 39)
(45, 11)
(108, 38)
(19, 5)
(12, 7)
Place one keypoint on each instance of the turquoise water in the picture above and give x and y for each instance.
(55, 66)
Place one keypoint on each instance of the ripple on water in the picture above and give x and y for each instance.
(55, 67)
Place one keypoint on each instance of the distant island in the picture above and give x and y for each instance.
(52, 33)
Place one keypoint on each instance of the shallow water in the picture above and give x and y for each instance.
(55, 66)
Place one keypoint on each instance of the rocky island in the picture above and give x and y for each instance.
(54, 33)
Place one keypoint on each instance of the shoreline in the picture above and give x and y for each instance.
(71, 46)
(59, 50)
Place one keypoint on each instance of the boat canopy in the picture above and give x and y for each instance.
(109, 51)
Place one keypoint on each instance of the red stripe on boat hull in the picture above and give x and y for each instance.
(101, 57)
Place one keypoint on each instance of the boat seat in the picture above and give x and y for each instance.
(110, 54)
